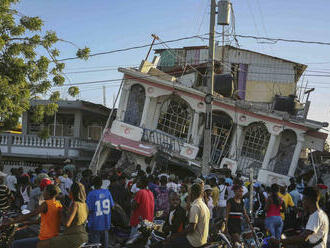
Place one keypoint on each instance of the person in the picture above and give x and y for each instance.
(100, 203)
(215, 192)
(273, 221)
(208, 199)
(286, 197)
(176, 219)
(316, 231)
(36, 193)
(86, 180)
(50, 211)
(119, 192)
(25, 190)
(162, 203)
(5, 195)
(184, 195)
(75, 233)
(230, 190)
(234, 213)
(295, 195)
(148, 171)
(171, 185)
(222, 198)
(105, 181)
(143, 205)
(196, 234)
(12, 180)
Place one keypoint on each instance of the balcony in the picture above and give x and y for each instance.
(17, 145)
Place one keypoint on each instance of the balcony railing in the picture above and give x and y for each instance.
(166, 142)
(16, 143)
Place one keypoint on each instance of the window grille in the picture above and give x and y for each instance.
(221, 130)
(255, 141)
(175, 117)
(135, 105)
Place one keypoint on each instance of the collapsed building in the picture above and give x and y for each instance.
(257, 119)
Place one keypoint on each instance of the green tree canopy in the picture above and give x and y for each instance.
(28, 64)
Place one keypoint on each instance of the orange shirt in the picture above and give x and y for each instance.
(50, 221)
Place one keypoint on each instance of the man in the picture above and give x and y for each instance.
(286, 197)
(119, 193)
(199, 217)
(296, 196)
(215, 192)
(176, 220)
(100, 203)
(12, 180)
(162, 203)
(222, 198)
(171, 185)
(317, 228)
(143, 205)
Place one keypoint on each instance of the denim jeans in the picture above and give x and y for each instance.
(101, 237)
(25, 243)
(274, 224)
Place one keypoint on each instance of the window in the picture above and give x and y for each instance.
(221, 129)
(94, 132)
(255, 141)
(135, 105)
(175, 117)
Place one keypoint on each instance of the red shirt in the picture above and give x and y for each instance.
(145, 209)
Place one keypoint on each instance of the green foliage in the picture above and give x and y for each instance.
(73, 91)
(29, 65)
(44, 133)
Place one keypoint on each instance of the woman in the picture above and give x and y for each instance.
(75, 233)
(273, 221)
(50, 211)
(234, 213)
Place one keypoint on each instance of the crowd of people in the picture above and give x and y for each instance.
(62, 197)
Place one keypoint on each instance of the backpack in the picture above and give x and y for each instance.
(162, 203)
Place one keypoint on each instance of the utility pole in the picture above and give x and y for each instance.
(104, 96)
(209, 93)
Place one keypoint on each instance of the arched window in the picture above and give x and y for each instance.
(135, 105)
(221, 130)
(175, 117)
(255, 141)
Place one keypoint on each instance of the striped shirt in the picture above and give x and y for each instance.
(4, 197)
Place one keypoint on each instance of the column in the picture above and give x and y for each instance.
(270, 148)
(145, 112)
(123, 102)
(296, 155)
(77, 124)
(236, 141)
(25, 123)
(194, 132)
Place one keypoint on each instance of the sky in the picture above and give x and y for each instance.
(105, 25)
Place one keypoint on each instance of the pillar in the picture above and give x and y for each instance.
(25, 123)
(194, 133)
(123, 102)
(145, 112)
(296, 155)
(269, 152)
(77, 124)
(237, 141)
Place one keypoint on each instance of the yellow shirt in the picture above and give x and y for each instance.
(200, 215)
(287, 199)
(215, 195)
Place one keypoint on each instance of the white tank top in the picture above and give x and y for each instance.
(25, 195)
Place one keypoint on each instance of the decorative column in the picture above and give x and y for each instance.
(236, 141)
(145, 111)
(194, 132)
(296, 155)
(77, 124)
(270, 148)
(123, 102)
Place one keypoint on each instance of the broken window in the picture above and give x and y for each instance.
(135, 105)
(221, 130)
(175, 117)
(281, 162)
(254, 147)
(255, 141)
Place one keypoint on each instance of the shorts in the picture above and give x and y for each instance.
(234, 226)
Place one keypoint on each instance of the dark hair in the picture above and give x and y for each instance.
(78, 192)
(86, 173)
(138, 167)
(148, 170)
(163, 179)
(237, 187)
(196, 189)
(143, 181)
(97, 182)
(51, 190)
(274, 189)
(312, 193)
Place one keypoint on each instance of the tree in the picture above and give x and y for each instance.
(28, 65)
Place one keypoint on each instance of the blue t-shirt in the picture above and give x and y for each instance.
(99, 203)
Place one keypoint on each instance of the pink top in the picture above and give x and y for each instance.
(274, 210)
